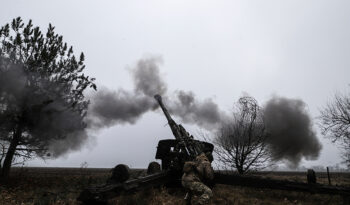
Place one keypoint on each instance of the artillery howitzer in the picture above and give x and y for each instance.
(173, 153)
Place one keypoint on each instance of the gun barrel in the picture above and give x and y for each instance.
(173, 126)
(166, 113)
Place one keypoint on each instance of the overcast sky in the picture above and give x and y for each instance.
(217, 49)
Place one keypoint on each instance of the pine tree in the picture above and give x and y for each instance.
(42, 88)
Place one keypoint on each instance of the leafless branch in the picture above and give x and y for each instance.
(241, 143)
(335, 123)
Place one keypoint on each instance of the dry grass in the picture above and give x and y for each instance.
(62, 186)
(337, 178)
(229, 195)
(41, 186)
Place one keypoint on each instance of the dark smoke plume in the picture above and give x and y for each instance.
(292, 137)
(288, 123)
(64, 128)
(205, 114)
(118, 107)
(74, 141)
(290, 129)
(46, 117)
(107, 107)
(12, 79)
(147, 78)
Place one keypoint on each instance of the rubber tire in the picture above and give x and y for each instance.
(153, 167)
(120, 173)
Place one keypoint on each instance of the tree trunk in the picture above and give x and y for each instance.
(240, 169)
(10, 153)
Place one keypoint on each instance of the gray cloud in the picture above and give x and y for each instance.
(74, 141)
(147, 79)
(290, 126)
(205, 114)
(47, 116)
(291, 134)
(118, 107)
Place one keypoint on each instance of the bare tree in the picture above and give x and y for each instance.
(241, 142)
(335, 123)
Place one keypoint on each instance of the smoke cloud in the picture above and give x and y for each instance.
(290, 128)
(287, 121)
(45, 115)
(59, 128)
(205, 113)
(74, 141)
(119, 107)
(12, 80)
(147, 78)
(50, 117)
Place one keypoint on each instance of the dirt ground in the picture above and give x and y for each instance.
(41, 186)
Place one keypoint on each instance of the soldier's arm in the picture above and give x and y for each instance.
(189, 166)
(209, 172)
(200, 169)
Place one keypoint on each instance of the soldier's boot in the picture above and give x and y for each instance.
(206, 196)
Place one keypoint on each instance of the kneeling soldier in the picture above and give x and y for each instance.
(195, 173)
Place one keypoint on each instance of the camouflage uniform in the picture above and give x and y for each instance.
(195, 172)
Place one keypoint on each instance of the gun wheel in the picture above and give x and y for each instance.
(120, 173)
(153, 167)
